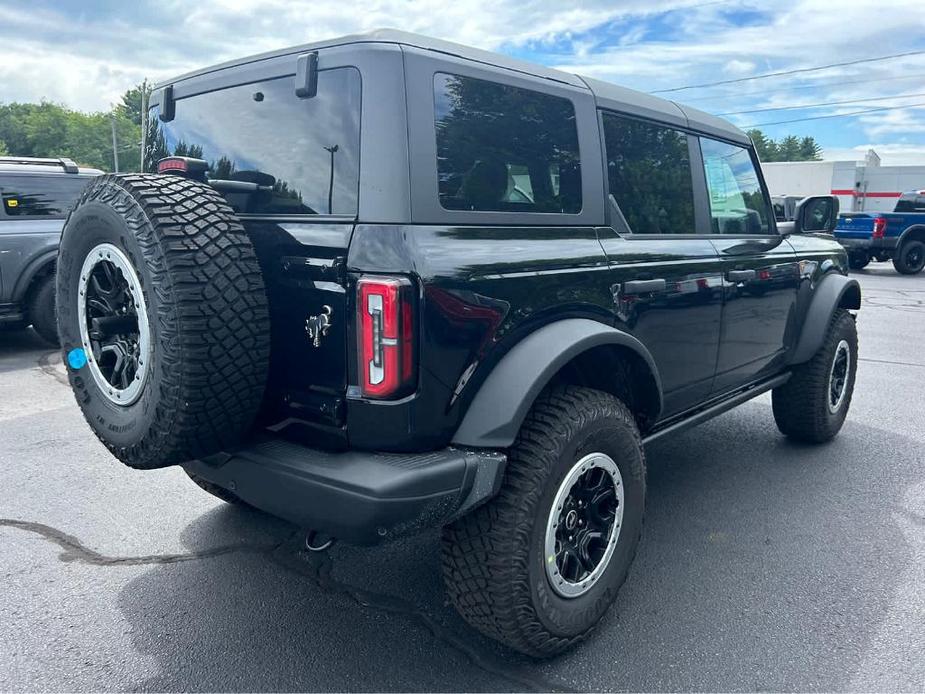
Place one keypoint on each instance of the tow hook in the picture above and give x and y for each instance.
(317, 542)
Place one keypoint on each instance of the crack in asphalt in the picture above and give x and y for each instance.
(49, 369)
(75, 550)
(314, 566)
(890, 362)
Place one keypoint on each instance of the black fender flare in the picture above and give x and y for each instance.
(905, 235)
(501, 404)
(31, 271)
(832, 291)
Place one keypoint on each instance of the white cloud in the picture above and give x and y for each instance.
(739, 67)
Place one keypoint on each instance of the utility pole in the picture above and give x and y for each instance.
(331, 149)
(115, 147)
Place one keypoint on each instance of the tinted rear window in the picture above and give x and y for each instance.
(299, 156)
(505, 149)
(40, 196)
(910, 203)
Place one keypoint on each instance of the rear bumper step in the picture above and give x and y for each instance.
(358, 497)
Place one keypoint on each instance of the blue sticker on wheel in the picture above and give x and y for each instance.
(77, 358)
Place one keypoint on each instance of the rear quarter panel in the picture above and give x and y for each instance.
(481, 290)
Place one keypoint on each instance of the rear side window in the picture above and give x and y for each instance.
(270, 152)
(737, 203)
(40, 196)
(910, 203)
(649, 175)
(505, 149)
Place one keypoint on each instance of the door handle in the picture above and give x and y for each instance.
(644, 286)
(741, 275)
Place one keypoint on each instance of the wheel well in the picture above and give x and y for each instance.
(619, 371)
(914, 234)
(46, 270)
(851, 298)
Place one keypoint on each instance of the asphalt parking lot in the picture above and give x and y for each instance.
(764, 565)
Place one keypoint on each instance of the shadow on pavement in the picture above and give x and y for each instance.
(764, 565)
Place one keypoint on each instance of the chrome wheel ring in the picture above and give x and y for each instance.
(583, 525)
(838, 376)
(113, 320)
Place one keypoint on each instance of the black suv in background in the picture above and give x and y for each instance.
(383, 283)
(36, 195)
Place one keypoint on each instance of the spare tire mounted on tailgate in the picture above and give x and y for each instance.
(163, 319)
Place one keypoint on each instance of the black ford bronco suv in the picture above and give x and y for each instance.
(383, 283)
(35, 196)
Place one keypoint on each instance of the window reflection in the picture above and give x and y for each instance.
(737, 203)
(269, 151)
(41, 196)
(649, 175)
(502, 148)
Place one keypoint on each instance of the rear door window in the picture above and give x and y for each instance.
(737, 202)
(40, 196)
(649, 175)
(505, 149)
(268, 151)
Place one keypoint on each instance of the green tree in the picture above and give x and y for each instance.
(133, 102)
(47, 129)
(810, 149)
(789, 148)
(765, 146)
(3, 150)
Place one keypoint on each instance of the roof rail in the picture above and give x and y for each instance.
(67, 164)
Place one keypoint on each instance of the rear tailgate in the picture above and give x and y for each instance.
(854, 226)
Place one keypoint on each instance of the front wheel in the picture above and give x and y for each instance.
(538, 566)
(41, 310)
(813, 404)
(910, 258)
(858, 261)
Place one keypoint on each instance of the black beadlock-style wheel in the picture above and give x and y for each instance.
(813, 404)
(40, 310)
(910, 258)
(162, 317)
(539, 565)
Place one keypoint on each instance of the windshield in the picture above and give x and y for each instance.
(294, 156)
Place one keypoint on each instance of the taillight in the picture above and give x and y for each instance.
(385, 331)
(879, 227)
(183, 166)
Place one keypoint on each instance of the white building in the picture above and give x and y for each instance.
(859, 185)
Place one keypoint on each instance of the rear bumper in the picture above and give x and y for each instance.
(870, 245)
(359, 497)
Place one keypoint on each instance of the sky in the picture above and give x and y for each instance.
(86, 53)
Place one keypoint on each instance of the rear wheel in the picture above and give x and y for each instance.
(163, 318)
(539, 565)
(910, 258)
(40, 310)
(813, 404)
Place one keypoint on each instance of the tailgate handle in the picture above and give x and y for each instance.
(741, 275)
(644, 286)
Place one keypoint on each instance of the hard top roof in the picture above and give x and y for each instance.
(40, 165)
(608, 95)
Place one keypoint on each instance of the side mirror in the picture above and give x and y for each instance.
(816, 213)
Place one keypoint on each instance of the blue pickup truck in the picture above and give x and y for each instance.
(898, 235)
